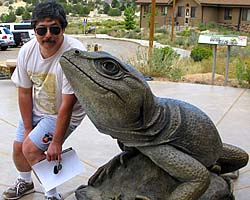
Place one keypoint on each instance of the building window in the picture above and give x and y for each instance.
(228, 14)
(180, 11)
(245, 14)
(193, 12)
(146, 9)
(164, 10)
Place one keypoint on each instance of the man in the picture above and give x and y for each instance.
(49, 109)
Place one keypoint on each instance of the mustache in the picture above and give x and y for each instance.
(49, 40)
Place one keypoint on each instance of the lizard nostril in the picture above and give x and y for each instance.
(77, 51)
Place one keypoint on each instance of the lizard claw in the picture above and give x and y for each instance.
(109, 168)
(141, 197)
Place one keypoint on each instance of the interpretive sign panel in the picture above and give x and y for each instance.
(223, 40)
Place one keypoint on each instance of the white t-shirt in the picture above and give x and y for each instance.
(46, 78)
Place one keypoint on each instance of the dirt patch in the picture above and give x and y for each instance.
(206, 78)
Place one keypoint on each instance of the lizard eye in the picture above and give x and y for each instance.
(110, 68)
(77, 52)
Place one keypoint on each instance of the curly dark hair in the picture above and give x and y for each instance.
(50, 9)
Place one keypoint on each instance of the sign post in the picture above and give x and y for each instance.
(85, 21)
(214, 63)
(222, 40)
(227, 64)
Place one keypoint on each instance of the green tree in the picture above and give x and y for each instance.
(68, 8)
(11, 17)
(123, 6)
(115, 4)
(84, 11)
(30, 8)
(3, 17)
(26, 15)
(97, 3)
(129, 19)
(91, 5)
(20, 10)
(106, 8)
(80, 10)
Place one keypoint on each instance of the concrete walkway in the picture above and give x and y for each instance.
(229, 108)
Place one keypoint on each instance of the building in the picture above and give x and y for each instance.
(230, 13)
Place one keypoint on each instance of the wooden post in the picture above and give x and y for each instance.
(173, 21)
(152, 24)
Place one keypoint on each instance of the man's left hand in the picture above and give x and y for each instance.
(54, 151)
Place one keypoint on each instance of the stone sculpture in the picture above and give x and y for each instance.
(171, 149)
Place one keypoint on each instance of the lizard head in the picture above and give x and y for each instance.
(114, 94)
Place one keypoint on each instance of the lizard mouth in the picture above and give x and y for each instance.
(99, 87)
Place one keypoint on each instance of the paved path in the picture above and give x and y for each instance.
(132, 49)
(228, 107)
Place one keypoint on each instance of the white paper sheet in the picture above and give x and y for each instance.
(71, 166)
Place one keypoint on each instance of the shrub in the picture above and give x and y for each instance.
(114, 12)
(239, 70)
(207, 26)
(166, 53)
(201, 52)
(243, 52)
(161, 30)
(185, 32)
(242, 70)
(132, 34)
(159, 64)
(246, 72)
(137, 30)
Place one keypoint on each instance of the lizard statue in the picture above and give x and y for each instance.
(175, 136)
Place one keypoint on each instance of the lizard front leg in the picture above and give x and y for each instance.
(194, 176)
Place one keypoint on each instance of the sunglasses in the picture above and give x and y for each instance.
(55, 30)
(57, 168)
